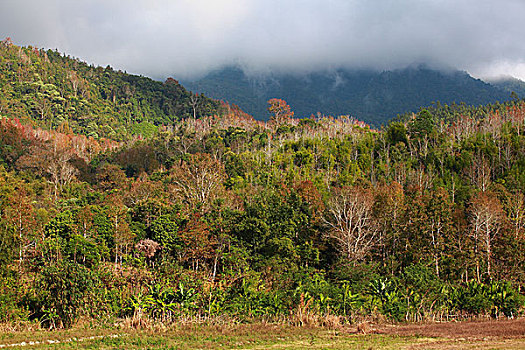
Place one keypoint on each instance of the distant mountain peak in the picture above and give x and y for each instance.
(372, 96)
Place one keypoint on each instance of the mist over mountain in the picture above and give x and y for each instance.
(186, 38)
(510, 84)
(372, 96)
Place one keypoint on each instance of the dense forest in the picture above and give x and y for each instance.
(218, 215)
(372, 96)
(47, 89)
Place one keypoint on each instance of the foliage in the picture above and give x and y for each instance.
(51, 89)
(216, 215)
(63, 287)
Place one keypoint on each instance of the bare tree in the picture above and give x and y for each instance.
(388, 207)
(199, 180)
(480, 172)
(438, 220)
(19, 214)
(349, 218)
(75, 81)
(486, 219)
(195, 102)
(515, 208)
(42, 106)
(58, 163)
(123, 236)
(52, 160)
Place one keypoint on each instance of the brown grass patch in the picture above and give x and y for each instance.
(501, 329)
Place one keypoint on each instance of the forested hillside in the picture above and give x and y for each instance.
(510, 85)
(299, 219)
(46, 88)
(372, 96)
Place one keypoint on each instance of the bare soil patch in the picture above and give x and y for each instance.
(471, 330)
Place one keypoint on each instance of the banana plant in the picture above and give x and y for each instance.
(350, 300)
(185, 297)
(503, 299)
(386, 291)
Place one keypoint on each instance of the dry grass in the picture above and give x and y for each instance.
(17, 327)
(220, 333)
(305, 315)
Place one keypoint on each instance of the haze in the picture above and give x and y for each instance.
(187, 38)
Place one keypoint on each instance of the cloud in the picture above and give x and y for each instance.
(184, 38)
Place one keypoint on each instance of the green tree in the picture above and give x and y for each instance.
(422, 125)
(165, 231)
(63, 287)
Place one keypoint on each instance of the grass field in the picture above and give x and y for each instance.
(464, 335)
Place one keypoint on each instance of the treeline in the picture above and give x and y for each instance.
(304, 219)
(46, 88)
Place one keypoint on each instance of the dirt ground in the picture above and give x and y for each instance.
(501, 329)
(501, 334)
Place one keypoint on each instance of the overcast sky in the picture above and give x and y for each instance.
(181, 38)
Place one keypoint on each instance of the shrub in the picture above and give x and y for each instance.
(63, 286)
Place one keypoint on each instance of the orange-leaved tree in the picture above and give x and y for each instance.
(280, 110)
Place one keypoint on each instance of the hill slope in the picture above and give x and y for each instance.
(374, 97)
(47, 89)
(510, 85)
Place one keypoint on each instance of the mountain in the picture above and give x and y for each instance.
(510, 84)
(46, 88)
(374, 97)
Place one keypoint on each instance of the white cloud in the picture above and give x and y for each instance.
(185, 37)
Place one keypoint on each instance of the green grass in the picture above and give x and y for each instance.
(253, 336)
(250, 336)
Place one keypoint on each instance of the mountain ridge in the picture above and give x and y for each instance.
(372, 96)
